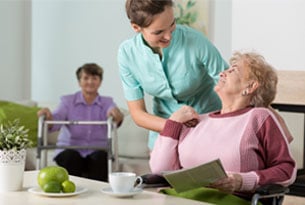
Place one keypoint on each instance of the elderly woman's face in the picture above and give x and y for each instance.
(89, 83)
(233, 80)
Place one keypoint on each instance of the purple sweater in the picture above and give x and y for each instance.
(249, 142)
(74, 107)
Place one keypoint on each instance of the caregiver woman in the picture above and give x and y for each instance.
(174, 64)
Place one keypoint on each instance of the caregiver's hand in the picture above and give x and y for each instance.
(186, 115)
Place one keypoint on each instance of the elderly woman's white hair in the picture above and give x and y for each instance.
(263, 73)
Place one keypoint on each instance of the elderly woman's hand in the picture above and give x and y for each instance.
(117, 115)
(228, 185)
(46, 112)
(186, 115)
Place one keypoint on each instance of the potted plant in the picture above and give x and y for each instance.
(13, 144)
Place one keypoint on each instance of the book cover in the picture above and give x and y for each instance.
(195, 177)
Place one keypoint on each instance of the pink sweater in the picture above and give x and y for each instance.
(249, 142)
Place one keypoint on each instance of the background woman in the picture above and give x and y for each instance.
(84, 105)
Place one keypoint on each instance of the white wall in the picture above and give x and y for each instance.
(39, 53)
(14, 45)
(67, 34)
(275, 28)
(221, 26)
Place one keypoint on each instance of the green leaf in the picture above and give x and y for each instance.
(14, 136)
(190, 4)
(185, 16)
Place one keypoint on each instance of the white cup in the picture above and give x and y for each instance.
(124, 182)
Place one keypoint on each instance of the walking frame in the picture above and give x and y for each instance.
(43, 146)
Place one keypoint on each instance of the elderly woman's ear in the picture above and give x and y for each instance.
(252, 87)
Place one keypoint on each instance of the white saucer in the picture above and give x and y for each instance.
(39, 191)
(109, 191)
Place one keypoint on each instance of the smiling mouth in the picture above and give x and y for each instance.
(165, 41)
(222, 80)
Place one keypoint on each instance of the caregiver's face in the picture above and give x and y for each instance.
(159, 33)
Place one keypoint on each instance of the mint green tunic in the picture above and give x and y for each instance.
(185, 75)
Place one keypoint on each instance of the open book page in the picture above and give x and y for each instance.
(199, 176)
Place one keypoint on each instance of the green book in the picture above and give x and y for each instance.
(195, 177)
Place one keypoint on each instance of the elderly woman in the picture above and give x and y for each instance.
(244, 135)
(84, 105)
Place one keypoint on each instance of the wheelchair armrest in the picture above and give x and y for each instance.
(274, 193)
(271, 189)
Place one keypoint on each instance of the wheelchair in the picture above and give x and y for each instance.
(43, 146)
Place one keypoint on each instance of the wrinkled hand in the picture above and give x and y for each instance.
(228, 185)
(117, 115)
(46, 112)
(186, 115)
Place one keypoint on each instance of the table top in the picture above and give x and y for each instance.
(94, 195)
